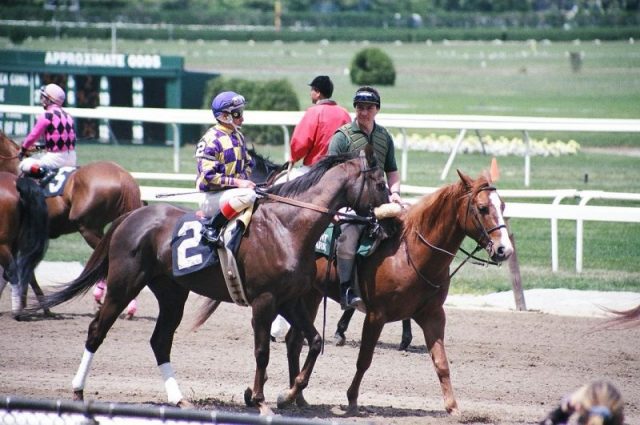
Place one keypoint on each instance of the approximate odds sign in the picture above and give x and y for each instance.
(23, 72)
(15, 89)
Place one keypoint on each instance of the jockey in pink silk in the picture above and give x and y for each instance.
(58, 129)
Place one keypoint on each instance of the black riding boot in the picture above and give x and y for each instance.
(38, 171)
(348, 296)
(47, 176)
(212, 229)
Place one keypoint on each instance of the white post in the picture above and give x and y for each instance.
(137, 100)
(405, 156)
(104, 99)
(113, 38)
(453, 153)
(527, 158)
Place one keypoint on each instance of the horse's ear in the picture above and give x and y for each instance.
(370, 155)
(466, 180)
(494, 171)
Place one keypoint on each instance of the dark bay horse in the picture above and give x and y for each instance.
(23, 222)
(276, 262)
(407, 277)
(94, 195)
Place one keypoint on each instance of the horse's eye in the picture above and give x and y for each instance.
(382, 186)
(483, 209)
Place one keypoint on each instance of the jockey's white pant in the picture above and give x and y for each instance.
(230, 202)
(49, 160)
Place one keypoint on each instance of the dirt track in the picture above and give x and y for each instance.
(507, 368)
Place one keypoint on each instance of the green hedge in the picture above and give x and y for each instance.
(336, 34)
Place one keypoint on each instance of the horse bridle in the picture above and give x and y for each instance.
(364, 167)
(484, 235)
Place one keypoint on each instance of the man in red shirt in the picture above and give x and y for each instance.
(311, 136)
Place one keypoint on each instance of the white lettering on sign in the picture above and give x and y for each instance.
(4, 78)
(21, 80)
(102, 60)
(144, 61)
(20, 128)
(2, 95)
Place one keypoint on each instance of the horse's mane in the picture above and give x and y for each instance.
(309, 179)
(424, 213)
(263, 164)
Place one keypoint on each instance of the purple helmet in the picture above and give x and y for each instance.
(228, 102)
(53, 93)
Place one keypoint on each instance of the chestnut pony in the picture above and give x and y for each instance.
(408, 276)
(276, 263)
(94, 195)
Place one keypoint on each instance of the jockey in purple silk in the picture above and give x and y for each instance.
(224, 165)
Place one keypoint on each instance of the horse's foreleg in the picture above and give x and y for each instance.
(301, 381)
(405, 341)
(264, 312)
(343, 324)
(433, 329)
(96, 334)
(39, 294)
(371, 329)
(171, 301)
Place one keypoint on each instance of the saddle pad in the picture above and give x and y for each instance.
(57, 183)
(322, 245)
(189, 253)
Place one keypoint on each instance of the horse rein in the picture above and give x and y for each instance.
(353, 217)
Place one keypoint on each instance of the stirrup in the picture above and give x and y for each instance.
(212, 236)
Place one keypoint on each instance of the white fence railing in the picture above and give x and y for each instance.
(462, 123)
(553, 211)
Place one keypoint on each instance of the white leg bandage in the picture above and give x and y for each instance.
(174, 395)
(83, 371)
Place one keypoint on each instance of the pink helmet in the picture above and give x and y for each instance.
(54, 93)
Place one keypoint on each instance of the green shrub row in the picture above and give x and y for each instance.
(19, 33)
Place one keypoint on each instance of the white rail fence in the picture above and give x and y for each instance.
(462, 123)
(552, 211)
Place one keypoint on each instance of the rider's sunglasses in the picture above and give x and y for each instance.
(237, 114)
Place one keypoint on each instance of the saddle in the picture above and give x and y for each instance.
(54, 181)
(190, 253)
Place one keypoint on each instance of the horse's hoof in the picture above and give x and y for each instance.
(128, 316)
(265, 410)
(248, 397)
(352, 410)
(339, 339)
(185, 404)
(301, 402)
(48, 313)
(284, 401)
(78, 395)
(404, 345)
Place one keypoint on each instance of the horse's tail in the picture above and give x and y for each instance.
(204, 312)
(94, 271)
(33, 234)
(624, 318)
(131, 198)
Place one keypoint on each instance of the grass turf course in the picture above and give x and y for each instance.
(452, 78)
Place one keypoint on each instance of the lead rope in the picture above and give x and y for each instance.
(326, 285)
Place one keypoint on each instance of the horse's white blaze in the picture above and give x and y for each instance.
(174, 395)
(80, 379)
(505, 241)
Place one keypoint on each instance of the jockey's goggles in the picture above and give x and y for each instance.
(237, 114)
(366, 97)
